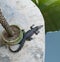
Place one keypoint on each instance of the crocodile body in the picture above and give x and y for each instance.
(27, 36)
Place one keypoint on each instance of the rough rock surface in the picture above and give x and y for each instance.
(23, 13)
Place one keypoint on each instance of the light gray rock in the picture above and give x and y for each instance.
(23, 13)
(4, 59)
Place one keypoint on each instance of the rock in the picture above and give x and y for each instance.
(24, 13)
(4, 59)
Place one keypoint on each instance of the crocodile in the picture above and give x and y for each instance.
(27, 36)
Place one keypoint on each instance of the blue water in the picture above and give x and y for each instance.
(52, 47)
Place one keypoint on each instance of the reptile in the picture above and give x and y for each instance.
(27, 36)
